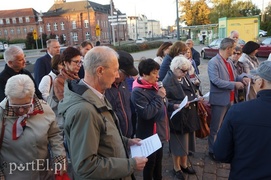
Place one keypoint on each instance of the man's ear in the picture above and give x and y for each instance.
(99, 70)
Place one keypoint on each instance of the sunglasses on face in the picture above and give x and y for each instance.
(24, 107)
(236, 53)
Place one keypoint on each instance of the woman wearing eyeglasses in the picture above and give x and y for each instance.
(71, 58)
(27, 126)
(183, 124)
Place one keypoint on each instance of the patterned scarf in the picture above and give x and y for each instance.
(20, 124)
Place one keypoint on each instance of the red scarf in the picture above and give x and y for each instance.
(231, 76)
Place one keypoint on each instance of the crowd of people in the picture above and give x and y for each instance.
(87, 106)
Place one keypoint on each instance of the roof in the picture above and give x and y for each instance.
(77, 6)
(17, 13)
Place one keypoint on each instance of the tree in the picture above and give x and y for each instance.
(195, 14)
(30, 42)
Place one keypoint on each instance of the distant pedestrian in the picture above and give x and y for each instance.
(162, 51)
(43, 64)
(195, 54)
(178, 48)
(244, 138)
(98, 43)
(235, 36)
(223, 82)
(85, 46)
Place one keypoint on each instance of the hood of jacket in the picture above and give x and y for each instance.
(74, 92)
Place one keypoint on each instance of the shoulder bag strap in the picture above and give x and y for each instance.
(51, 82)
(3, 129)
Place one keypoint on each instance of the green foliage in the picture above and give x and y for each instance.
(16, 41)
(1, 56)
(30, 42)
(195, 13)
(230, 8)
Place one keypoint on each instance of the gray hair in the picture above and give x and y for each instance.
(11, 52)
(180, 62)
(98, 56)
(24, 86)
(226, 43)
(49, 41)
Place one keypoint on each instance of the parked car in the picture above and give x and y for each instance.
(3, 46)
(211, 50)
(141, 40)
(265, 48)
(262, 33)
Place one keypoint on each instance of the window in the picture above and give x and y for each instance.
(57, 37)
(41, 30)
(64, 37)
(86, 23)
(25, 30)
(20, 20)
(1, 21)
(55, 26)
(87, 36)
(6, 32)
(73, 24)
(12, 31)
(7, 21)
(62, 26)
(75, 36)
(18, 31)
(27, 19)
(0, 33)
(31, 29)
(48, 27)
(14, 20)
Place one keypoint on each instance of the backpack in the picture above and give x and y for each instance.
(52, 100)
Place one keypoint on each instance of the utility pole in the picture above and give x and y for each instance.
(89, 26)
(40, 28)
(177, 20)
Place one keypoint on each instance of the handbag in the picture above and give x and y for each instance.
(204, 130)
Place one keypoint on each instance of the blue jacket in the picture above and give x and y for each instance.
(42, 67)
(119, 98)
(244, 139)
(164, 67)
(196, 57)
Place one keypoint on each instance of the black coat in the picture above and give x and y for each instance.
(186, 120)
(7, 73)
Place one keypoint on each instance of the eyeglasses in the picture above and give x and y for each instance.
(235, 53)
(18, 107)
(78, 63)
(184, 71)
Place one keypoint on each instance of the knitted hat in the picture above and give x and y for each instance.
(264, 70)
(250, 46)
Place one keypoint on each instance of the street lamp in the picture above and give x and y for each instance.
(177, 22)
(40, 28)
(89, 27)
(116, 20)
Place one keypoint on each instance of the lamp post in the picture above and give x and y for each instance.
(116, 20)
(40, 28)
(177, 22)
(89, 27)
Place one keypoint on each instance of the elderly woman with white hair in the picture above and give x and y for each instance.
(183, 124)
(27, 126)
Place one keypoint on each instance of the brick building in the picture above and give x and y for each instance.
(70, 22)
(15, 24)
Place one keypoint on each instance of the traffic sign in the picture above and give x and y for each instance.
(98, 30)
(35, 34)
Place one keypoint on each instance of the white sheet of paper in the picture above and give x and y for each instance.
(183, 103)
(147, 147)
(204, 96)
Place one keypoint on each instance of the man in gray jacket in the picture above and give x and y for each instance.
(223, 82)
(96, 147)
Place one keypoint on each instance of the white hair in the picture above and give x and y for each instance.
(11, 52)
(180, 62)
(20, 86)
(98, 56)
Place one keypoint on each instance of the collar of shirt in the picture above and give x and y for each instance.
(100, 95)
